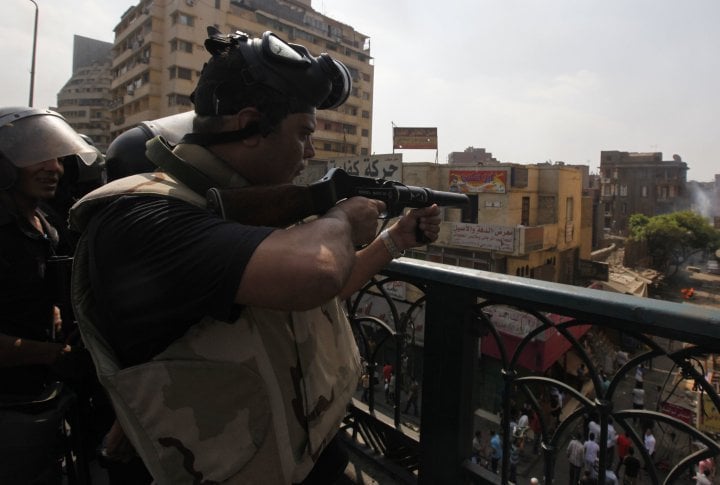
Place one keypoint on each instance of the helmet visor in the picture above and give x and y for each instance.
(36, 135)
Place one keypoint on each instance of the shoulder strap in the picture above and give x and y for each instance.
(159, 152)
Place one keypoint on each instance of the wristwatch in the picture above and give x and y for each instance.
(390, 245)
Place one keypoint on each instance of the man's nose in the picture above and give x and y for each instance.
(53, 165)
(309, 149)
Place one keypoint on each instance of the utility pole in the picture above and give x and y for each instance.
(32, 67)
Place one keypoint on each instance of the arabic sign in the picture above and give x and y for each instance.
(513, 322)
(408, 138)
(377, 166)
(678, 412)
(710, 416)
(486, 236)
(478, 181)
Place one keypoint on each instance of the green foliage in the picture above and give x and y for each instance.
(672, 238)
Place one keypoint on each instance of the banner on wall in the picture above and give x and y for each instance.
(478, 181)
(414, 138)
(484, 236)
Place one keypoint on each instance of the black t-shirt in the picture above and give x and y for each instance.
(26, 297)
(25, 302)
(632, 466)
(158, 265)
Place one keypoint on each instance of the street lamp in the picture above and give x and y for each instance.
(32, 67)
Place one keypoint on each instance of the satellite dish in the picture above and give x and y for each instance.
(677, 158)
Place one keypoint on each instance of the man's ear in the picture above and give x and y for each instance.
(249, 118)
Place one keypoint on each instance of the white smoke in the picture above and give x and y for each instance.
(701, 201)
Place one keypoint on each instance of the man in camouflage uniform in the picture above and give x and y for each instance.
(223, 345)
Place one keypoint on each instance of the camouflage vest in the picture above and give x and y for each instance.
(253, 401)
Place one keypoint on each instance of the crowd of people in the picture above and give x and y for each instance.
(624, 462)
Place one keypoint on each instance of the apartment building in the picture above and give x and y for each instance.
(158, 54)
(523, 220)
(85, 98)
(640, 183)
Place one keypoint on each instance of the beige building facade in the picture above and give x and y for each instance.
(523, 220)
(158, 54)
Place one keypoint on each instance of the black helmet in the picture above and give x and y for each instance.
(239, 63)
(126, 154)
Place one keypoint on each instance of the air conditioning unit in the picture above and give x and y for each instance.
(130, 90)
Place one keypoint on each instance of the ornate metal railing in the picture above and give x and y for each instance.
(459, 309)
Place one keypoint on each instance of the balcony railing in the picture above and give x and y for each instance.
(460, 309)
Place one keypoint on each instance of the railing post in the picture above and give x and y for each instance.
(450, 358)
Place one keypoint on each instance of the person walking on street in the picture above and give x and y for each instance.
(365, 382)
(537, 431)
(581, 373)
(632, 467)
(610, 477)
(575, 454)
(591, 449)
(514, 459)
(611, 442)
(477, 447)
(413, 397)
(649, 441)
(640, 374)
(703, 478)
(495, 451)
(623, 445)
(638, 398)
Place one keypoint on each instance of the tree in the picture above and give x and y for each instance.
(672, 238)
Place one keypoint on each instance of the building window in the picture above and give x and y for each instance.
(365, 114)
(569, 207)
(644, 191)
(184, 73)
(176, 99)
(365, 132)
(623, 208)
(363, 151)
(217, 4)
(181, 45)
(623, 191)
(182, 19)
(525, 214)
(179, 72)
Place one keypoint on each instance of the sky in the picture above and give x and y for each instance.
(528, 80)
